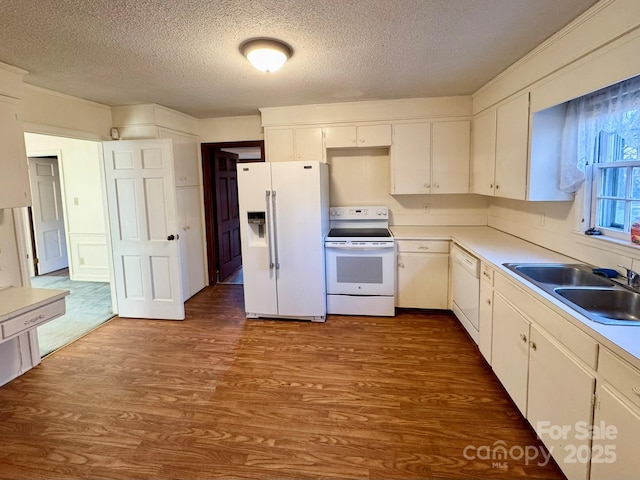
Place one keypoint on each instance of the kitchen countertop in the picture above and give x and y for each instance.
(17, 300)
(496, 247)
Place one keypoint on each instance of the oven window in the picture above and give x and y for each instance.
(359, 269)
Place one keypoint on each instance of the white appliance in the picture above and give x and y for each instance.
(360, 257)
(466, 289)
(284, 217)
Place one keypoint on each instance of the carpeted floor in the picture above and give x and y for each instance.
(88, 305)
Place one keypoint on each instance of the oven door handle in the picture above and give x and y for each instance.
(360, 247)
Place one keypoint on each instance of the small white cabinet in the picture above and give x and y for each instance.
(485, 317)
(358, 136)
(422, 274)
(617, 416)
(14, 181)
(294, 144)
(510, 350)
(185, 157)
(430, 157)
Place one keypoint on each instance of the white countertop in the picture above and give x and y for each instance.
(17, 300)
(496, 247)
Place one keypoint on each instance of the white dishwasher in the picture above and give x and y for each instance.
(465, 273)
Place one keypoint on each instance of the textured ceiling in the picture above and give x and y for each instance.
(184, 54)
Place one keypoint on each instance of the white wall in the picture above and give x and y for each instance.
(79, 163)
(9, 266)
(231, 129)
(361, 176)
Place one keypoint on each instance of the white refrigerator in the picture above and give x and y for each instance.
(284, 217)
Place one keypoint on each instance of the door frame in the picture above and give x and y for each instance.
(209, 194)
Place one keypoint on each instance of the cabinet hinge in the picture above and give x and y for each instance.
(594, 401)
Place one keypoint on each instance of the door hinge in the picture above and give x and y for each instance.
(36, 261)
(594, 401)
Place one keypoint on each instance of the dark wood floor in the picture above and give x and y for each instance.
(218, 396)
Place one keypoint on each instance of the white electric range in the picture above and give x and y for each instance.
(360, 262)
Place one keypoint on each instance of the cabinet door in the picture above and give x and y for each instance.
(279, 144)
(450, 157)
(185, 157)
(308, 144)
(560, 394)
(512, 147)
(192, 259)
(422, 280)
(14, 181)
(340, 137)
(485, 320)
(510, 350)
(484, 153)
(374, 135)
(411, 158)
(615, 455)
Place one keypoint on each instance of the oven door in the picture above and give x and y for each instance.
(360, 269)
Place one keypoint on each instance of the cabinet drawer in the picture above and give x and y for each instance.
(33, 318)
(578, 342)
(423, 246)
(486, 273)
(620, 375)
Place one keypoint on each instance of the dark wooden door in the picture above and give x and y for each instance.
(229, 256)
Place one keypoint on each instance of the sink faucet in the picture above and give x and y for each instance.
(633, 278)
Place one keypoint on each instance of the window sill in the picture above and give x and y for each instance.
(623, 247)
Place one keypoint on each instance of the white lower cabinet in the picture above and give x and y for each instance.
(551, 387)
(616, 438)
(510, 350)
(559, 403)
(422, 274)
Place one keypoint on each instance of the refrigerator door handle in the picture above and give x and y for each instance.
(267, 195)
(275, 229)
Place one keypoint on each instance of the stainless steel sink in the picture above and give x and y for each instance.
(598, 298)
(617, 304)
(569, 275)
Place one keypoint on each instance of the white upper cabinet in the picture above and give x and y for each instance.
(484, 153)
(512, 145)
(14, 181)
(411, 158)
(450, 156)
(517, 155)
(358, 136)
(185, 157)
(430, 157)
(294, 144)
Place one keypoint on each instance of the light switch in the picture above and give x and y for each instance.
(75, 201)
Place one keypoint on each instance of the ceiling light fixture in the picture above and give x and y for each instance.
(266, 54)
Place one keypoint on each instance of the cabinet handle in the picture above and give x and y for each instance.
(488, 301)
(497, 187)
(426, 185)
(636, 390)
(533, 345)
(491, 186)
(362, 141)
(401, 265)
(436, 185)
(523, 337)
(423, 247)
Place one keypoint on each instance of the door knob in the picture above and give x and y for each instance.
(171, 237)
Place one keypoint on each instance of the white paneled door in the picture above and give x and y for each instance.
(48, 220)
(144, 233)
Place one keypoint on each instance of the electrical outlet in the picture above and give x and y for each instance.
(541, 218)
(81, 261)
(426, 208)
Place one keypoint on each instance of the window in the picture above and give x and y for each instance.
(617, 185)
(600, 156)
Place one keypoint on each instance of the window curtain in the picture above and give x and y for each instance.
(614, 109)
